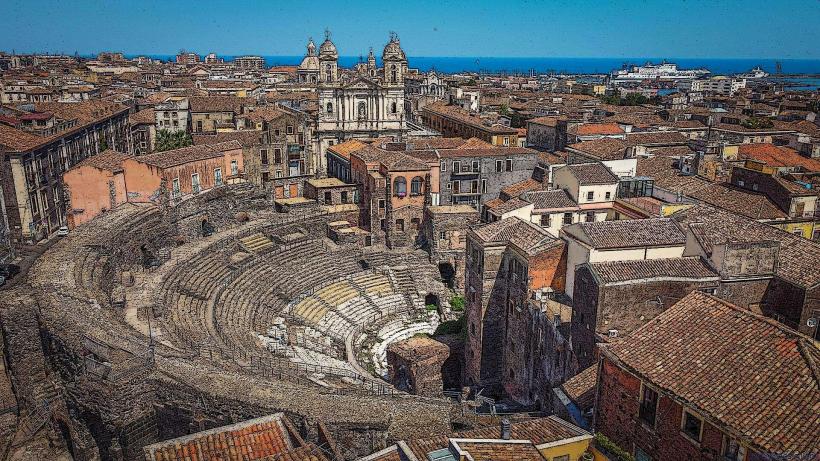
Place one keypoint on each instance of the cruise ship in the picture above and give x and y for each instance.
(757, 72)
(649, 71)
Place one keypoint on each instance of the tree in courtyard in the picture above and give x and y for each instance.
(168, 140)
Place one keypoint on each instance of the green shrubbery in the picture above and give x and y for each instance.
(755, 123)
(453, 327)
(167, 140)
(457, 303)
(611, 449)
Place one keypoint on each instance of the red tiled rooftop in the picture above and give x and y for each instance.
(598, 129)
(743, 372)
(777, 156)
(255, 439)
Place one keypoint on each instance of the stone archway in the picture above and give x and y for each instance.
(431, 299)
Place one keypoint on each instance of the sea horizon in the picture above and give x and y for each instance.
(559, 65)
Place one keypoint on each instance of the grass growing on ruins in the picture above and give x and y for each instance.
(457, 303)
(453, 327)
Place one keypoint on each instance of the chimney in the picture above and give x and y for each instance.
(505, 429)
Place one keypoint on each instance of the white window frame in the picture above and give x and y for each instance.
(234, 168)
(196, 186)
(176, 191)
(218, 181)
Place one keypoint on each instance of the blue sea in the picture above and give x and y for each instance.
(565, 65)
(492, 65)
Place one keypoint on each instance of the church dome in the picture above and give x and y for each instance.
(328, 49)
(310, 62)
(393, 51)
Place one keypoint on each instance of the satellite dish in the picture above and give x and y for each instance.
(811, 323)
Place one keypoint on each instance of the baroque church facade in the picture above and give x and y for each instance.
(365, 102)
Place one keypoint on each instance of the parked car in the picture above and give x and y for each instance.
(62, 231)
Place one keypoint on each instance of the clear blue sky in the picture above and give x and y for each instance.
(567, 28)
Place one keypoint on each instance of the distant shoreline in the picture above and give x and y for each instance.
(809, 68)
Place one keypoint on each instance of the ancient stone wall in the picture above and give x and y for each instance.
(485, 315)
(126, 392)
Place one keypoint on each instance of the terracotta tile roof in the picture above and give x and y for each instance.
(391, 160)
(143, 117)
(581, 387)
(664, 269)
(500, 451)
(777, 156)
(218, 103)
(748, 375)
(641, 120)
(664, 138)
(523, 234)
(85, 112)
(683, 124)
(309, 452)
(598, 129)
(552, 158)
(18, 140)
(592, 173)
(346, 148)
(546, 121)
(462, 116)
(515, 190)
(801, 126)
(502, 207)
(390, 453)
(632, 233)
(603, 149)
(737, 200)
(538, 431)
(265, 114)
(255, 439)
(798, 258)
(550, 199)
(742, 129)
(434, 143)
(184, 155)
(109, 160)
(475, 143)
(36, 116)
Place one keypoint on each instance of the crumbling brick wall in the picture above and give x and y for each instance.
(617, 418)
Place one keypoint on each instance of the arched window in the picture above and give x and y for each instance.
(362, 110)
(400, 187)
(393, 74)
(329, 108)
(393, 108)
(329, 73)
(433, 88)
(415, 186)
